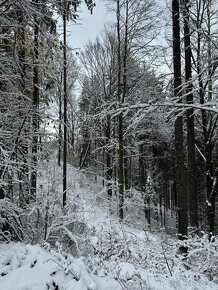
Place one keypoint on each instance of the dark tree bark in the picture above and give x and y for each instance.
(176, 48)
(181, 180)
(161, 210)
(60, 125)
(2, 192)
(25, 170)
(142, 169)
(147, 209)
(192, 189)
(179, 148)
(120, 121)
(211, 171)
(127, 170)
(35, 117)
(109, 171)
(207, 121)
(65, 104)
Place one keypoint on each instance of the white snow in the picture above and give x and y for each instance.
(111, 255)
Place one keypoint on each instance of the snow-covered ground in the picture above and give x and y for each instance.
(108, 255)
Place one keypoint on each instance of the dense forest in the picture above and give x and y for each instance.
(128, 123)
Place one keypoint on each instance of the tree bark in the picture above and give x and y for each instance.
(181, 180)
(60, 128)
(142, 169)
(206, 125)
(109, 170)
(120, 121)
(192, 189)
(179, 149)
(65, 105)
(35, 117)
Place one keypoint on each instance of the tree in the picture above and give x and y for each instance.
(191, 164)
(99, 89)
(35, 118)
(120, 100)
(135, 29)
(98, 102)
(113, 83)
(65, 103)
(203, 19)
(179, 148)
(66, 12)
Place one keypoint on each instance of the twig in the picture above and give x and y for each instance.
(166, 260)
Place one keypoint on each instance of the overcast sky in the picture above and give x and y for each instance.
(88, 26)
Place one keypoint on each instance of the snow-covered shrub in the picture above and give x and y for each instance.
(202, 256)
(44, 219)
(11, 223)
(56, 223)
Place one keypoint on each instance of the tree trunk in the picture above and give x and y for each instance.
(65, 105)
(207, 128)
(179, 149)
(127, 170)
(142, 169)
(60, 127)
(109, 170)
(181, 180)
(211, 173)
(35, 117)
(192, 189)
(120, 167)
(120, 122)
(25, 169)
(147, 209)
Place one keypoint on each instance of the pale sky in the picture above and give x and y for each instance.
(88, 26)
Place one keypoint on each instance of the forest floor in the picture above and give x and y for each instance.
(103, 254)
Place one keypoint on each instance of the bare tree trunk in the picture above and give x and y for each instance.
(142, 169)
(2, 191)
(109, 170)
(161, 210)
(179, 149)
(181, 180)
(103, 165)
(65, 106)
(35, 117)
(25, 169)
(120, 167)
(192, 189)
(211, 173)
(127, 170)
(208, 127)
(120, 121)
(60, 128)
(147, 209)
